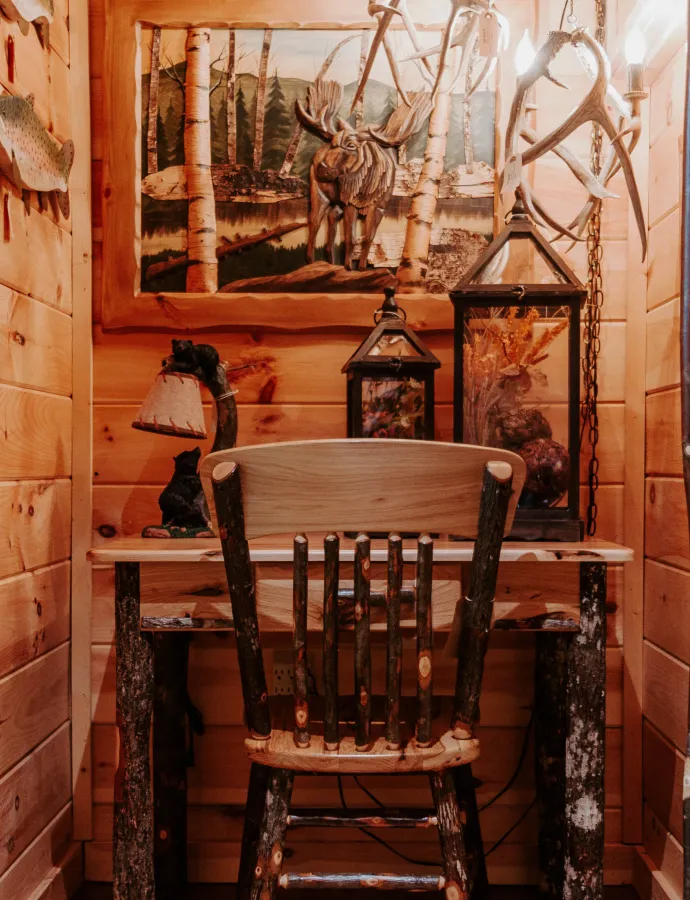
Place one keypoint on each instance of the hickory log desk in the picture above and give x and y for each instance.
(165, 587)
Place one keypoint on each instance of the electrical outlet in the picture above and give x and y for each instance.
(283, 673)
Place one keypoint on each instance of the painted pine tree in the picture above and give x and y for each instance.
(245, 149)
(173, 129)
(277, 127)
(202, 271)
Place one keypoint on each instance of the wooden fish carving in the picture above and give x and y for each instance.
(29, 156)
(23, 12)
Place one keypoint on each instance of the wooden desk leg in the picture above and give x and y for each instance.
(170, 663)
(133, 813)
(550, 725)
(584, 788)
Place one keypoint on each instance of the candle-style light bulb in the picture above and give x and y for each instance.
(635, 47)
(524, 53)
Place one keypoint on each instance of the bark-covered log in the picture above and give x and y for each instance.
(331, 730)
(361, 818)
(550, 725)
(584, 790)
(170, 658)
(269, 861)
(450, 832)
(231, 110)
(240, 575)
(474, 846)
(300, 585)
(394, 641)
(133, 874)
(154, 82)
(185, 623)
(353, 881)
(362, 641)
(425, 641)
(478, 606)
(253, 817)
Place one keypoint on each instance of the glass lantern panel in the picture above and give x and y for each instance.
(516, 392)
(393, 408)
(392, 344)
(519, 261)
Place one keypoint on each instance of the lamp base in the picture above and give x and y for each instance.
(176, 531)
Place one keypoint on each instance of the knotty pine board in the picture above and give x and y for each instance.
(663, 342)
(47, 851)
(35, 610)
(123, 455)
(34, 524)
(663, 780)
(35, 434)
(666, 610)
(33, 703)
(663, 848)
(663, 265)
(665, 694)
(663, 454)
(35, 344)
(666, 522)
(667, 98)
(33, 793)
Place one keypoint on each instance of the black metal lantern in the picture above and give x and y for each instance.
(517, 371)
(390, 380)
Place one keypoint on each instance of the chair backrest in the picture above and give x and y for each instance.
(364, 486)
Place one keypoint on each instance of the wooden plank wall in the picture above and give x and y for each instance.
(38, 855)
(301, 394)
(666, 648)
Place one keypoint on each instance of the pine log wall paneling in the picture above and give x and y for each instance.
(666, 647)
(39, 857)
(301, 394)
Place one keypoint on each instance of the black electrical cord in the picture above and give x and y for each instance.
(368, 792)
(518, 769)
(512, 828)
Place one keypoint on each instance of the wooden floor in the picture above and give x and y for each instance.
(227, 892)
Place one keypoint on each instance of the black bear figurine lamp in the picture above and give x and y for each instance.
(173, 407)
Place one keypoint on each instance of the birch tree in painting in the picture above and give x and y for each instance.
(202, 271)
(152, 134)
(261, 99)
(231, 113)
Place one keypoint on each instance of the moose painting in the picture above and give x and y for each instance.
(287, 160)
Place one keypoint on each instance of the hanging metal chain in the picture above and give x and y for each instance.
(592, 318)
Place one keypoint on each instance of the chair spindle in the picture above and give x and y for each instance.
(331, 730)
(425, 564)
(362, 642)
(394, 659)
(497, 488)
(300, 589)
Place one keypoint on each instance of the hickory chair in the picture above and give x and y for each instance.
(363, 486)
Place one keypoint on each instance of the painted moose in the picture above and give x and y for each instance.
(353, 175)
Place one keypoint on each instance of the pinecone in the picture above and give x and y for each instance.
(548, 473)
(516, 429)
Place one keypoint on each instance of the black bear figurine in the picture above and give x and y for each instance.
(183, 504)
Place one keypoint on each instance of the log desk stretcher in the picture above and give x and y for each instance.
(164, 587)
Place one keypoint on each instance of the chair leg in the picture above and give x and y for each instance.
(450, 832)
(467, 801)
(253, 817)
(268, 858)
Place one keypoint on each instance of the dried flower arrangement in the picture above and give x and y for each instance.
(393, 409)
(502, 355)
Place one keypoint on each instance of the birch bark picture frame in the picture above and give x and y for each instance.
(150, 285)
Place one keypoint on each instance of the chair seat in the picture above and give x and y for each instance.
(280, 751)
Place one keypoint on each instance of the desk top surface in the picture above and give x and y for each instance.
(279, 549)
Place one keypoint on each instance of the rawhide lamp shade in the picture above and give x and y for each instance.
(173, 406)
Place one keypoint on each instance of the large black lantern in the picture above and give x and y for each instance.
(390, 380)
(517, 371)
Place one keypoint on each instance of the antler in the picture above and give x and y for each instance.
(324, 99)
(404, 121)
(387, 11)
(592, 109)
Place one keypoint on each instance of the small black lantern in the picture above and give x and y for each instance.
(390, 380)
(517, 371)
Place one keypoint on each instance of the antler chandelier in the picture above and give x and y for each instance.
(593, 108)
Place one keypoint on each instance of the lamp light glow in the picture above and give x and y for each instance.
(635, 47)
(524, 53)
